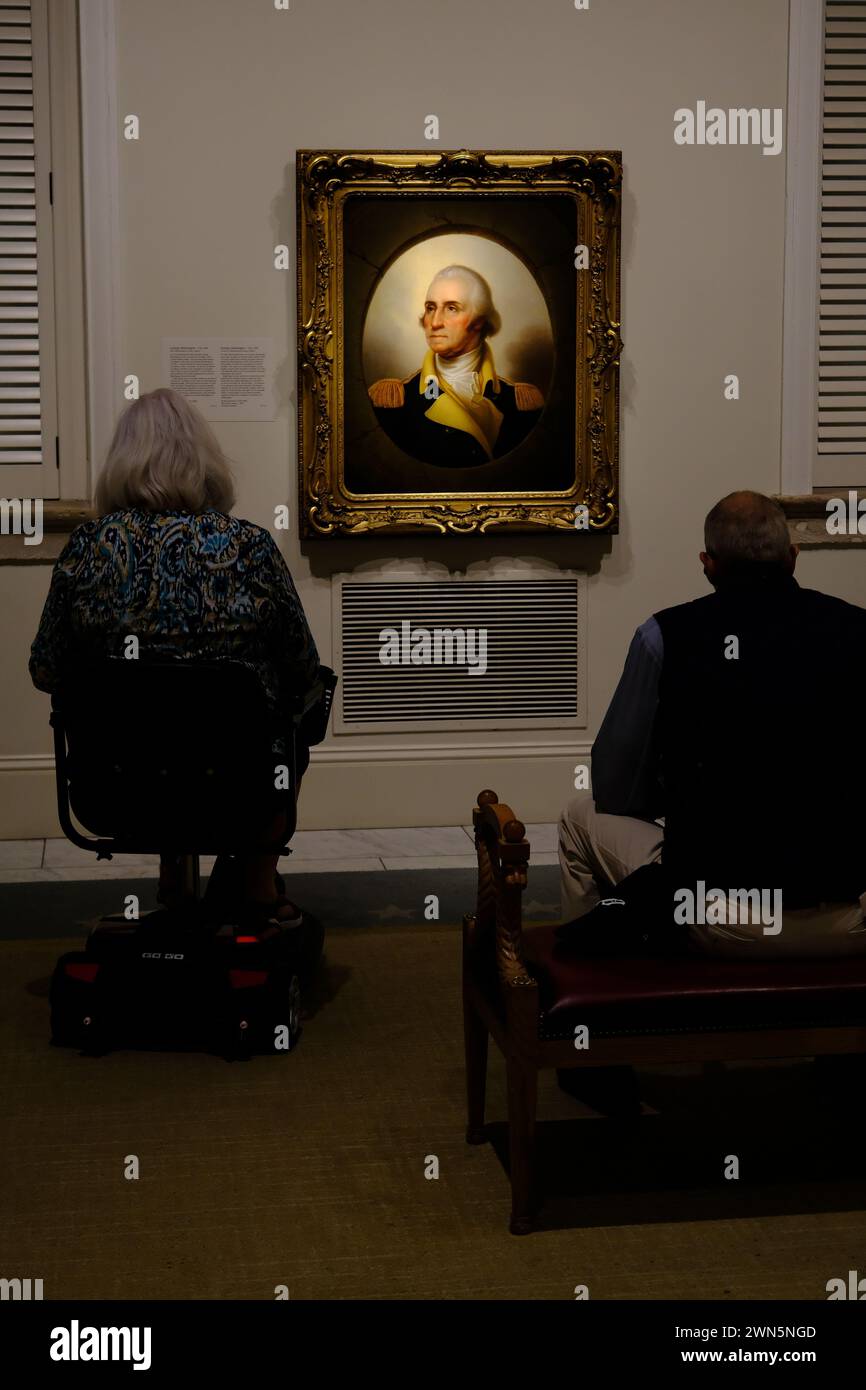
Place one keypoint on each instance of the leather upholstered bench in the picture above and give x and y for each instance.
(531, 998)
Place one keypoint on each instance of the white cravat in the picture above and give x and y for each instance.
(461, 373)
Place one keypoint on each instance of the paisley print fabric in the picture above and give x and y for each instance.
(188, 585)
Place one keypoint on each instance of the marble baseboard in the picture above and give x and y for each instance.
(543, 838)
(93, 872)
(290, 866)
(432, 862)
(71, 874)
(313, 851)
(21, 854)
(456, 861)
(393, 844)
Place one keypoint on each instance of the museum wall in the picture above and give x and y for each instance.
(227, 91)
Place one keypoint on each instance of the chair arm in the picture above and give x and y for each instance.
(312, 710)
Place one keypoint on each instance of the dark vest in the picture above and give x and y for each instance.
(762, 756)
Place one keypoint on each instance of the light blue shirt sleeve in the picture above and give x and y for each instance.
(625, 769)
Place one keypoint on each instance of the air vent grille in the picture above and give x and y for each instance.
(530, 653)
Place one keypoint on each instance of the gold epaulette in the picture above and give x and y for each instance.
(527, 397)
(387, 393)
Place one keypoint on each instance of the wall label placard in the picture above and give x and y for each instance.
(226, 378)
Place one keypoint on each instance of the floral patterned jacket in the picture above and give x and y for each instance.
(190, 585)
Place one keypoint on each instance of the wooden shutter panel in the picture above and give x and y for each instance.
(20, 383)
(841, 440)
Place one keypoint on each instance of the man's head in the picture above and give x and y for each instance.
(746, 534)
(458, 311)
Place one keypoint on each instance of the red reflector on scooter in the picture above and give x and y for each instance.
(82, 970)
(253, 939)
(247, 979)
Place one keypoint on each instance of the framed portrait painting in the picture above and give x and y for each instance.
(458, 341)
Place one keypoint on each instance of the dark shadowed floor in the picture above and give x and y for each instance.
(308, 1169)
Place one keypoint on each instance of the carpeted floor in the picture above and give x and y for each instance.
(309, 1169)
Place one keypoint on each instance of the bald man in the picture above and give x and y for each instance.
(457, 411)
(729, 753)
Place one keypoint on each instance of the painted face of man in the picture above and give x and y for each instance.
(450, 325)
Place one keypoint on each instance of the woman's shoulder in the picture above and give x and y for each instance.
(241, 525)
(245, 535)
(209, 533)
(141, 519)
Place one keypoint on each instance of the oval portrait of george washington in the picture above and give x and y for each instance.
(457, 350)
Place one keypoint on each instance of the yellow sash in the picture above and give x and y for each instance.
(480, 417)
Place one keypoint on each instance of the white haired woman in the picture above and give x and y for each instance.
(166, 561)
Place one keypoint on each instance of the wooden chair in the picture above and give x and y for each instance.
(522, 989)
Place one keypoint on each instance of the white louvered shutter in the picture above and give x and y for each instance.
(841, 451)
(27, 406)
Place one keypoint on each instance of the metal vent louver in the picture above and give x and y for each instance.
(532, 647)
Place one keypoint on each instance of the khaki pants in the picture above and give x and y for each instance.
(598, 851)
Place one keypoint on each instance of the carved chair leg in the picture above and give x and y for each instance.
(475, 1037)
(522, 1102)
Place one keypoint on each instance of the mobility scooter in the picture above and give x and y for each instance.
(175, 757)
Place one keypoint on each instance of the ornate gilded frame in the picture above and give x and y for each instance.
(325, 179)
